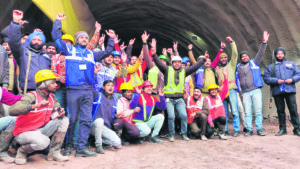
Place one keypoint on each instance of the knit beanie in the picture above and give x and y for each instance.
(223, 55)
(80, 33)
(244, 52)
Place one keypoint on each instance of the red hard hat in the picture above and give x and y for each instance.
(147, 83)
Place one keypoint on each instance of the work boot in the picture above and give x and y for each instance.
(138, 141)
(5, 140)
(171, 138)
(245, 130)
(155, 140)
(296, 132)
(124, 142)
(85, 153)
(185, 137)
(55, 146)
(22, 152)
(68, 150)
(221, 135)
(281, 132)
(260, 133)
(236, 134)
(249, 133)
(99, 149)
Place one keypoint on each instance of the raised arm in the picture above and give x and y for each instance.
(215, 62)
(147, 58)
(193, 68)
(129, 48)
(191, 55)
(234, 55)
(261, 52)
(94, 40)
(109, 48)
(56, 34)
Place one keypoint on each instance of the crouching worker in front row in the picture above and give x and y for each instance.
(216, 117)
(39, 117)
(143, 119)
(103, 114)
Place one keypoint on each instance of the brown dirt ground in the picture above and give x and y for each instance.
(241, 152)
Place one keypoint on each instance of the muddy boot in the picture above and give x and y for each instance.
(22, 152)
(5, 140)
(68, 150)
(99, 149)
(221, 132)
(55, 146)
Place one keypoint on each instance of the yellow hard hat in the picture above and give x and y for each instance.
(213, 86)
(43, 75)
(68, 37)
(126, 86)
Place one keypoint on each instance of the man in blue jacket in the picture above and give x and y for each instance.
(282, 76)
(33, 49)
(80, 64)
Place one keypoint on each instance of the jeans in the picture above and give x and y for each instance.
(6, 121)
(234, 109)
(181, 109)
(39, 139)
(104, 134)
(154, 123)
(254, 98)
(61, 95)
(290, 99)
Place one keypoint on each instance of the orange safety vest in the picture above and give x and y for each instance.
(216, 108)
(193, 107)
(35, 118)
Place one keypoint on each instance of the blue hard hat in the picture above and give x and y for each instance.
(116, 53)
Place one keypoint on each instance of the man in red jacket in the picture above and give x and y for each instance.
(39, 117)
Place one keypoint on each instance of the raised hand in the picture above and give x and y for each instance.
(131, 42)
(229, 39)
(223, 45)
(145, 37)
(60, 16)
(122, 47)
(138, 90)
(110, 33)
(101, 40)
(97, 27)
(124, 57)
(97, 68)
(164, 51)
(190, 47)
(153, 46)
(17, 16)
(170, 50)
(206, 55)
(161, 92)
(265, 37)
(175, 46)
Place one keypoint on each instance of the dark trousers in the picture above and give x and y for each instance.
(80, 101)
(219, 123)
(129, 131)
(290, 99)
(198, 126)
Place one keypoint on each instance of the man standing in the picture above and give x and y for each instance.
(174, 78)
(249, 81)
(31, 58)
(143, 119)
(80, 64)
(230, 68)
(282, 77)
(39, 117)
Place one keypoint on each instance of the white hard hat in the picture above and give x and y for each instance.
(176, 58)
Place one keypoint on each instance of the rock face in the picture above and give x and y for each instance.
(178, 20)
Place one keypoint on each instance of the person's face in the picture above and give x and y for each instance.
(176, 64)
(23, 39)
(188, 64)
(213, 92)
(51, 50)
(36, 42)
(68, 42)
(280, 55)
(109, 60)
(83, 41)
(183, 65)
(128, 94)
(224, 60)
(133, 60)
(52, 87)
(109, 88)
(245, 58)
(197, 94)
(207, 63)
(163, 61)
(148, 89)
(7, 48)
(117, 60)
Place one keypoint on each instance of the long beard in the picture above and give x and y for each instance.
(279, 60)
(36, 46)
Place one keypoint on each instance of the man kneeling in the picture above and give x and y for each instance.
(39, 117)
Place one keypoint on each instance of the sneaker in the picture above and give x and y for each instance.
(185, 137)
(260, 133)
(171, 138)
(203, 138)
(249, 133)
(222, 137)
